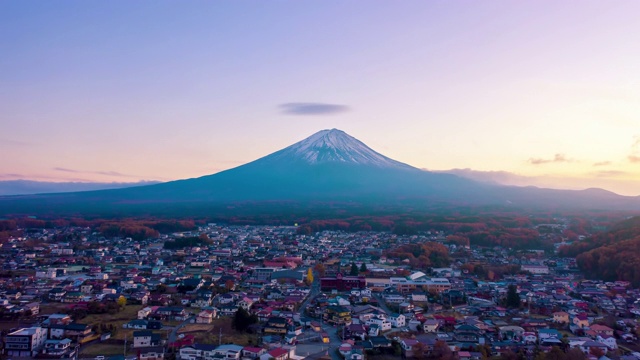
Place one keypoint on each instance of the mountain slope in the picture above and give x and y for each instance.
(329, 167)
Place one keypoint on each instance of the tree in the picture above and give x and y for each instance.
(513, 299)
(419, 351)
(363, 268)
(309, 277)
(320, 269)
(122, 301)
(354, 270)
(555, 354)
(596, 351)
(576, 354)
(242, 319)
(229, 285)
(441, 351)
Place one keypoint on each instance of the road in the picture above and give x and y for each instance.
(381, 303)
(173, 335)
(334, 340)
(315, 290)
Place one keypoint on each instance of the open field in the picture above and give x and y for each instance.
(129, 313)
(220, 331)
(53, 308)
(103, 349)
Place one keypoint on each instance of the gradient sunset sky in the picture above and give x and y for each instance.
(161, 90)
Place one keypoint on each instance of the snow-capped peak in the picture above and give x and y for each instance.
(336, 146)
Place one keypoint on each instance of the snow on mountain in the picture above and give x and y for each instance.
(335, 146)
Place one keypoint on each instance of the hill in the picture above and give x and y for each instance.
(611, 255)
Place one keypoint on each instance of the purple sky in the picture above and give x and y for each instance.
(161, 90)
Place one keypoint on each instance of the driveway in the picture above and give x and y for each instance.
(173, 335)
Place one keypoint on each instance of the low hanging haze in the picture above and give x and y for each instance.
(541, 93)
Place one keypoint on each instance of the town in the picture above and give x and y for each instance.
(275, 292)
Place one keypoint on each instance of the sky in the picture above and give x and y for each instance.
(545, 91)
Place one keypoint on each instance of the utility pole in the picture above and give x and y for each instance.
(220, 337)
(124, 351)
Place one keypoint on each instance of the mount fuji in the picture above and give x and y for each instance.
(328, 169)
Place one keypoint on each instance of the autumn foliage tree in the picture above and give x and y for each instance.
(309, 278)
(429, 254)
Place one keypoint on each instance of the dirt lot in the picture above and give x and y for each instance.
(210, 333)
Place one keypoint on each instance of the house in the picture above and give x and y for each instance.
(171, 313)
(355, 354)
(431, 325)
(374, 330)
(600, 330)
(197, 352)
(201, 301)
(345, 348)
(588, 346)
(151, 353)
(337, 315)
(58, 348)
(139, 297)
(381, 321)
(228, 351)
(277, 325)
(608, 340)
(55, 319)
(205, 317)
(581, 321)
(511, 332)
(34, 307)
(561, 317)
(136, 324)
(409, 345)
(143, 313)
(74, 331)
(57, 294)
(529, 337)
(467, 333)
(251, 352)
(356, 331)
(397, 320)
(245, 303)
(276, 354)
(316, 326)
(549, 336)
(145, 338)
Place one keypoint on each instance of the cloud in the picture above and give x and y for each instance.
(495, 177)
(10, 176)
(602, 163)
(557, 158)
(311, 108)
(66, 170)
(634, 158)
(112, 173)
(609, 173)
(105, 173)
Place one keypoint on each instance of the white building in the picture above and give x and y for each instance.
(398, 320)
(381, 321)
(535, 269)
(25, 342)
